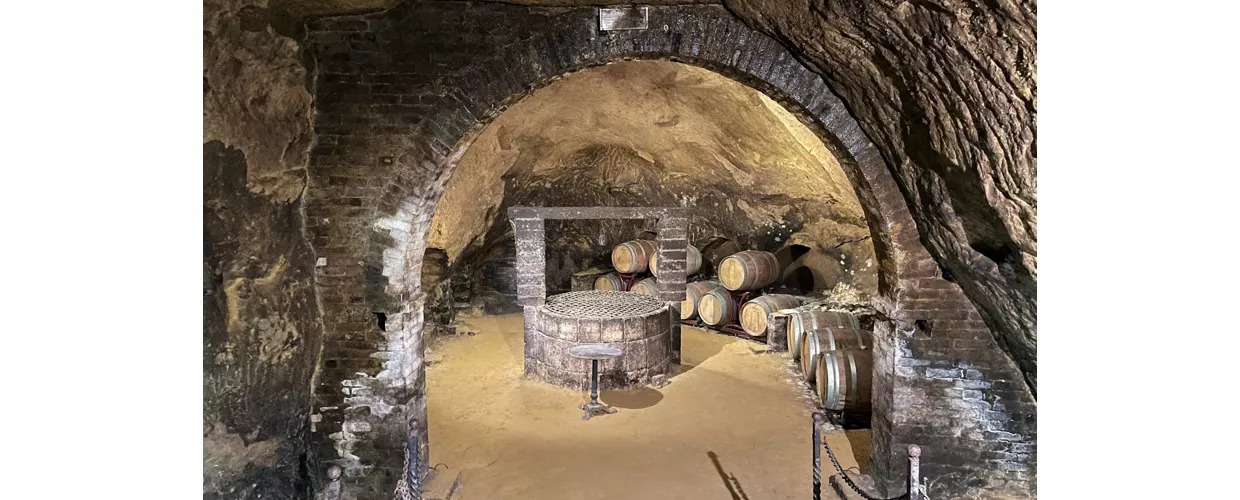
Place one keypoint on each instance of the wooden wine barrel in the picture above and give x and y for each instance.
(843, 379)
(693, 293)
(804, 321)
(748, 270)
(716, 307)
(647, 286)
(753, 313)
(816, 342)
(633, 256)
(609, 282)
(693, 261)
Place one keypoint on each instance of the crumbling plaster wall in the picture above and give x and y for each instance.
(262, 327)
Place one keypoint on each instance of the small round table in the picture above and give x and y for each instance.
(594, 352)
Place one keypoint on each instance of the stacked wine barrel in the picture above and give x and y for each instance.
(748, 270)
(694, 293)
(610, 282)
(805, 320)
(647, 286)
(631, 258)
(717, 307)
(753, 313)
(835, 356)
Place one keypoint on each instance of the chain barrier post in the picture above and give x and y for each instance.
(914, 472)
(332, 491)
(818, 417)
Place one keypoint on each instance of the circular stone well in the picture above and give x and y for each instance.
(637, 324)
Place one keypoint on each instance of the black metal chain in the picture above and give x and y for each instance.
(849, 480)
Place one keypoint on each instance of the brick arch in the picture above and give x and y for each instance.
(402, 94)
(899, 251)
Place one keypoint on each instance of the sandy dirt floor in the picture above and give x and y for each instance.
(730, 424)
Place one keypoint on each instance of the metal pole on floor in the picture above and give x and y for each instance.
(914, 472)
(818, 418)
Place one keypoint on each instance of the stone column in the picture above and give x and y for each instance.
(531, 279)
(673, 240)
(673, 317)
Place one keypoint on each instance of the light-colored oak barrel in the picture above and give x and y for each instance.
(753, 313)
(609, 282)
(816, 342)
(748, 270)
(693, 293)
(716, 307)
(843, 379)
(647, 286)
(804, 321)
(633, 256)
(693, 262)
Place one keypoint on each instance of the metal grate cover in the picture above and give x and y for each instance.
(603, 304)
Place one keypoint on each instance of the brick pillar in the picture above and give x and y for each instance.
(673, 241)
(531, 280)
(673, 316)
(942, 382)
(531, 261)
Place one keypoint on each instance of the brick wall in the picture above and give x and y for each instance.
(400, 95)
(949, 388)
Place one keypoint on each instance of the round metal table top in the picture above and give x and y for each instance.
(594, 351)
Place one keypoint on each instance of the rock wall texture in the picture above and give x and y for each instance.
(948, 91)
(262, 327)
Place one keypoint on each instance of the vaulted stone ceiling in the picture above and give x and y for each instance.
(947, 90)
(657, 133)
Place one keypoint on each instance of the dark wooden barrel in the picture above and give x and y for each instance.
(610, 282)
(753, 313)
(804, 321)
(843, 379)
(693, 293)
(693, 261)
(633, 256)
(816, 342)
(647, 286)
(748, 270)
(716, 307)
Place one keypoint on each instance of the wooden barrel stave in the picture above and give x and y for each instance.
(716, 307)
(632, 257)
(748, 270)
(753, 313)
(844, 379)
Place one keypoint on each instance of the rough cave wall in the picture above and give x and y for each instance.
(262, 329)
(398, 90)
(948, 91)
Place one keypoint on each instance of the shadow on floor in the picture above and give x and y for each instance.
(734, 486)
(859, 439)
(632, 399)
(696, 349)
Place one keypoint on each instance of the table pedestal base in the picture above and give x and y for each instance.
(594, 408)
